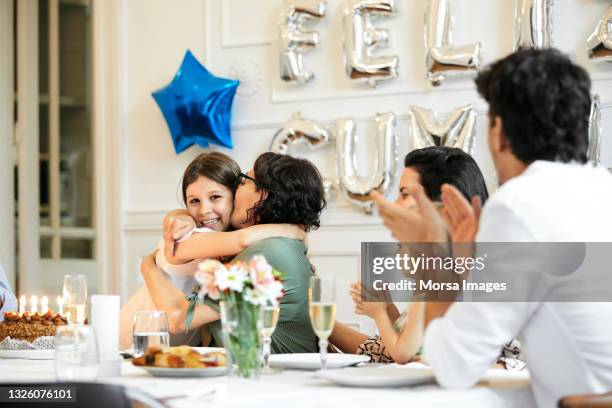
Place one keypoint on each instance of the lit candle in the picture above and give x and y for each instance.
(44, 305)
(60, 305)
(22, 304)
(33, 304)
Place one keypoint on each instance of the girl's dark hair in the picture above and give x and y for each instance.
(216, 166)
(438, 165)
(294, 191)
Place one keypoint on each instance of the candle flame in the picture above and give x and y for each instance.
(33, 304)
(22, 303)
(44, 305)
(60, 305)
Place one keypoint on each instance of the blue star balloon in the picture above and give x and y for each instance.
(197, 106)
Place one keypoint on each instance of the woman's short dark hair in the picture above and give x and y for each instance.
(440, 165)
(294, 188)
(216, 166)
(544, 102)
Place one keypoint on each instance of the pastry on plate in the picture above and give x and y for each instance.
(179, 357)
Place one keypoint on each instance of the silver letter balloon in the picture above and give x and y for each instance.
(295, 41)
(595, 131)
(356, 188)
(533, 24)
(599, 44)
(442, 57)
(458, 130)
(361, 39)
(298, 130)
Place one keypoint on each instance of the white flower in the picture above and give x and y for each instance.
(232, 279)
(255, 297)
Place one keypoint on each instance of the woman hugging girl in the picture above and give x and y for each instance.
(208, 186)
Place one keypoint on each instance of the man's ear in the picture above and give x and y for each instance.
(497, 137)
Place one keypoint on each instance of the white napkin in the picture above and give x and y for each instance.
(105, 321)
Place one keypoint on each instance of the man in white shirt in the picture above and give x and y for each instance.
(539, 104)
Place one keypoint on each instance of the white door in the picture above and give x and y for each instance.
(53, 132)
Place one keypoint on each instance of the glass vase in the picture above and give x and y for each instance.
(239, 320)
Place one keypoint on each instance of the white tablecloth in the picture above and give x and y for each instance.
(292, 389)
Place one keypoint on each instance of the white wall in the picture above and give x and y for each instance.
(231, 36)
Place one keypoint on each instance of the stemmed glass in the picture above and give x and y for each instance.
(322, 309)
(75, 298)
(268, 318)
(150, 329)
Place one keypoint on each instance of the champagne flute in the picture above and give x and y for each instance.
(150, 329)
(322, 309)
(75, 298)
(268, 318)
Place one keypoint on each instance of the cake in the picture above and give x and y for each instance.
(29, 327)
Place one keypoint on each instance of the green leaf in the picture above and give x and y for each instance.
(190, 312)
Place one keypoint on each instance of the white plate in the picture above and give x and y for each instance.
(203, 350)
(312, 361)
(188, 372)
(200, 350)
(378, 376)
(185, 372)
(28, 354)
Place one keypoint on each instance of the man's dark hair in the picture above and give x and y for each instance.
(544, 102)
(294, 188)
(446, 165)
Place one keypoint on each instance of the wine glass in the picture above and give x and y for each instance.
(322, 310)
(150, 329)
(75, 298)
(268, 318)
(76, 353)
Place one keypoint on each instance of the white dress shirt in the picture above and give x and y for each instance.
(567, 345)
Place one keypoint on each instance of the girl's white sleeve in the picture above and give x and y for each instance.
(182, 270)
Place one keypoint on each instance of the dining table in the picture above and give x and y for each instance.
(290, 388)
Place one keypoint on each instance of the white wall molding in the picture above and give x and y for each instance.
(232, 11)
(107, 83)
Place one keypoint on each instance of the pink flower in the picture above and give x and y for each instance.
(205, 276)
(262, 276)
(260, 270)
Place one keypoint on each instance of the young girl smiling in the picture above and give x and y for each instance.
(208, 187)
